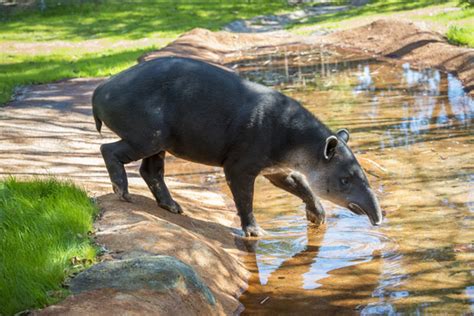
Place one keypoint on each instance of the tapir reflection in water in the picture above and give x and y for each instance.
(206, 114)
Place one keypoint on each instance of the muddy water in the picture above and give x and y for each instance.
(413, 132)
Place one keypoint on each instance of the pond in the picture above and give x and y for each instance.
(413, 132)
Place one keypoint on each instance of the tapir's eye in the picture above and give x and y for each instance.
(344, 181)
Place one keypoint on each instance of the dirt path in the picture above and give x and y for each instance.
(86, 46)
(271, 23)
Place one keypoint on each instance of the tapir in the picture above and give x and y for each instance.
(206, 114)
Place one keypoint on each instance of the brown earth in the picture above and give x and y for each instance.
(216, 47)
(49, 130)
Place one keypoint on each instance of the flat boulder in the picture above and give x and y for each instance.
(151, 284)
(157, 273)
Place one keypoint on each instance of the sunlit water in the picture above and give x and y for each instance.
(412, 131)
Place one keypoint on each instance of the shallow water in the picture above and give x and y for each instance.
(413, 132)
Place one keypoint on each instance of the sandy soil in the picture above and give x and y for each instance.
(49, 130)
(87, 46)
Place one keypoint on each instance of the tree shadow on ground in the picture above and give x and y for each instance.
(136, 19)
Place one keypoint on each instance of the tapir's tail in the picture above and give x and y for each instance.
(98, 123)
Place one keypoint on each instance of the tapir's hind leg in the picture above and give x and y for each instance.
(115, 156)
(295, 184)
(152, 171)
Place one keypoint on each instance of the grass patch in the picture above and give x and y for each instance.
(21, 69)
(375, 7)
(132, 19)
(459, 23)
(106, 22)
(459, 35)
(43, 225)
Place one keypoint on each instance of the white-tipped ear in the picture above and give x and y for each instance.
(343, 134)
(330, 147)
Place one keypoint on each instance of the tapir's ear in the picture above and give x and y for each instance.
(343, 134)
(330, 148)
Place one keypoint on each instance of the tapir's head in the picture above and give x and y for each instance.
(339, 178)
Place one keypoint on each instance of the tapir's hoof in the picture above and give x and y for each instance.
(172, 207)
(254, 231)
(317, 219)
(122, 195)
(126, 197)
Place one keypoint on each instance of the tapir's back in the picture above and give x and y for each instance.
(187, 101)
(170, 80)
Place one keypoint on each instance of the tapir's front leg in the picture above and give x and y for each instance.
(152, 171)
(296, 184)
(241, 184)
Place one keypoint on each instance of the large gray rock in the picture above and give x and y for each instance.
(157, 273)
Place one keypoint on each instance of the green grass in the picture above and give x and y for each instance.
(43, 225)
(375, 7)
(459, 35)
(132, 19)
(460, 25)
(106, 22)
(21, 69)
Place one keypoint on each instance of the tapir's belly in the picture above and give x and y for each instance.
(197, 154)
(191, 136)
(205, 138)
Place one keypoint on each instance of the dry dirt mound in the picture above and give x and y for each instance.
(215, 47)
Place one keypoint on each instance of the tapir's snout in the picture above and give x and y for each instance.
(368, 204)
(342, 180)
